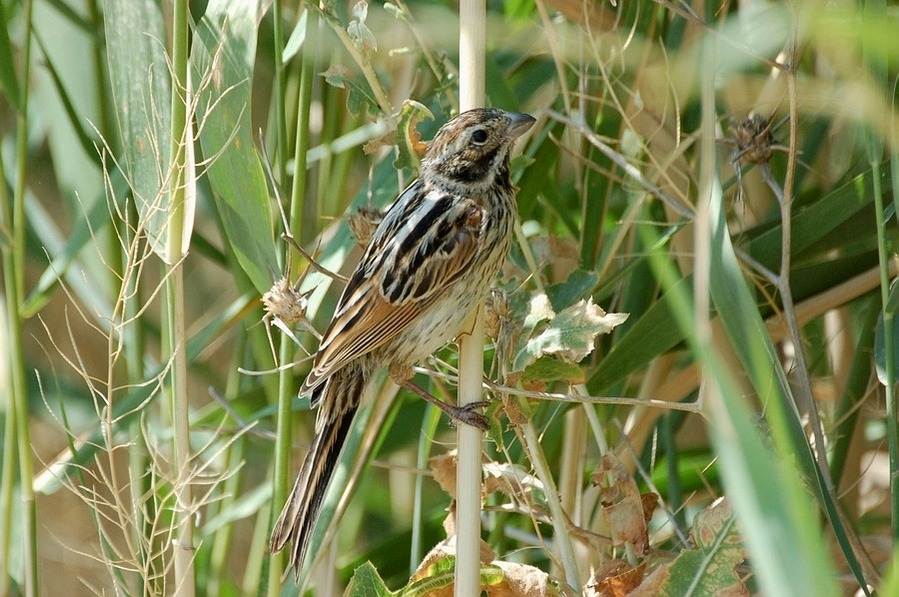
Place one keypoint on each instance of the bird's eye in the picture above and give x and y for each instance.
(479, 136)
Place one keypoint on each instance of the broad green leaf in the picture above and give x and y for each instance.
(367, 582)
(778, 519)
(648, 337)
(710, 568)
(547, 369)
(815, 222)
(222, 62)
(88, 141)
(571, 332)
(578, 285)
(567, 336)
(359, 98)
(141, 88)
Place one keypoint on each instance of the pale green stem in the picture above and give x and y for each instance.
(14, 280)
(472, 44)
(891, 399)
(7, 473)
(185, 581)
(561, 535)
(874, 11)
(286, 388)
(889, 342)
(424, 46)
(279, 93)
(364, 65)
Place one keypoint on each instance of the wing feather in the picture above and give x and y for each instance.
(425, 241)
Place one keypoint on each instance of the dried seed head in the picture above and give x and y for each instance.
(754, 139)
(364, 222)
(496, 310)
(284, 301)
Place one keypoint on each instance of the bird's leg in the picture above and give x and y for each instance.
(467, 413)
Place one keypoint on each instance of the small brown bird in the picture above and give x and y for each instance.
(427, 267)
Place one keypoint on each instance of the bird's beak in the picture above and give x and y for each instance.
(519, 123)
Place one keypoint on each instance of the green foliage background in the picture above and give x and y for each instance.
(753, 258)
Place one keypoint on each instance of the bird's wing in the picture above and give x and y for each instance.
(425, 241)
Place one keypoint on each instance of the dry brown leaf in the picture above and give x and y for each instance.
(443, 468)
(622, 506)
(513, 410)
(616, 578)
(650, 502)
(652, 584)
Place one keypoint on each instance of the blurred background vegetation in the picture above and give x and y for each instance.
(721, 172)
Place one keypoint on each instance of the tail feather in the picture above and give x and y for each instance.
(339, 403)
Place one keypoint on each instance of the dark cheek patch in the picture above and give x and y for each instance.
(473, 166)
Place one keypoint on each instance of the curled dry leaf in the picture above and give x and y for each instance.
(616, 578)
(512, 480)
(443, 467)
(622, 506)
(388, 139)
(754, 139)
(408, 140)
(359, 32)
(513, 409)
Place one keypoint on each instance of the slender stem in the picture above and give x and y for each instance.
(468, 470)
(279, 93)
(429, 430)
(301, 147)
(892, 402)
(283, 441)
(7, 469)
(472, 48)
(364, 65)
(874, 11)
(804, 389)
(286, 388)
(184, 548)
(557, 514)
(889, 343)
(472, 44)
(13, 220)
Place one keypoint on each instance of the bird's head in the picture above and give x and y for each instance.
(471, 151)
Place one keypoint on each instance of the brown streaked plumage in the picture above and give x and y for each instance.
(428, 265)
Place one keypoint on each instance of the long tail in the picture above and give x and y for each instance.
(337, 407)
